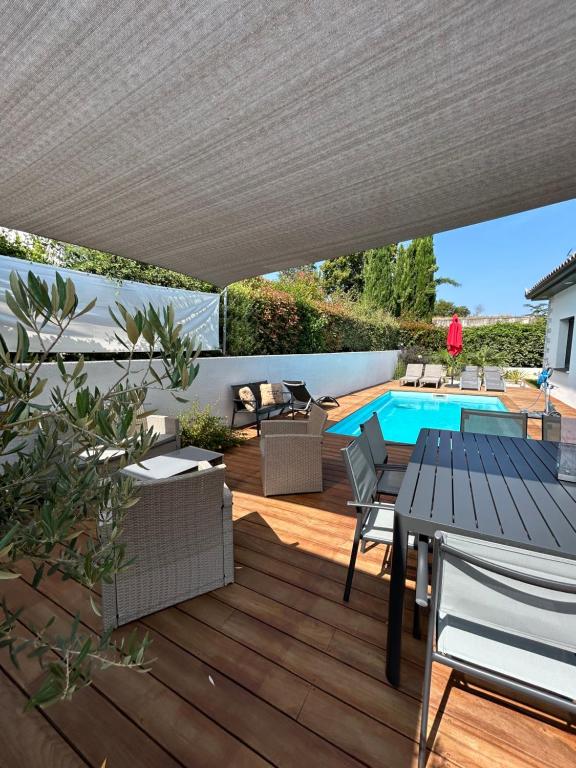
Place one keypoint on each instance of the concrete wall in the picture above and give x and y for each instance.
(325, 374)
(561, 307)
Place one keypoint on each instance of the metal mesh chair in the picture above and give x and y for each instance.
(375, 519)
(379, 452)
(494, 423)
(505, 616)
(551, 427)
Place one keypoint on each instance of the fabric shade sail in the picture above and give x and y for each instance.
(454, 337)
(198, 313)
(226, 140)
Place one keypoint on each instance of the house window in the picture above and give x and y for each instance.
(565, 337)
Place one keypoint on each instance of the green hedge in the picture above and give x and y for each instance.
(263, 320)
(516, 344)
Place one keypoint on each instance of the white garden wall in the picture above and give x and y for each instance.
(325, 374)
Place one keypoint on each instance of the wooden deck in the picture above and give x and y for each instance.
(274, 669)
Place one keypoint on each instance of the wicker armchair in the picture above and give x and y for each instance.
(180, 536)
(291, 454)
(167, 429)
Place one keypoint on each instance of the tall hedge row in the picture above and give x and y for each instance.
(263, 320)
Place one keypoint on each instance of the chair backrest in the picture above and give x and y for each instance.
(298, 391)
(373, 431)
(414, 369)
(503, 603)
(471, 369)
(360, 470)
(254, 387)
(551, 427)
(494, 423)
(492, 369)
(316, 420)
(434, 369)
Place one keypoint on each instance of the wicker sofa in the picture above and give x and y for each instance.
(291, 454)
(180, 536)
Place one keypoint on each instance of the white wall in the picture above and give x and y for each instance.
(562, 306)
(325, 374)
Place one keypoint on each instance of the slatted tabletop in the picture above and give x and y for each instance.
(503, 489)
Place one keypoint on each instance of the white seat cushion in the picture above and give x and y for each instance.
(553, 669)
(505, 625)
(379, 526)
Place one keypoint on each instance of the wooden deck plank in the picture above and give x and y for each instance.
(297, 677)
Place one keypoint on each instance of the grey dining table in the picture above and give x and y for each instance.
(503, 489)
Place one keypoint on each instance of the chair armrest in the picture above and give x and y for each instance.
(163, 425)
(422, 572)
(382, 505)
(283, 427)
(395, 467)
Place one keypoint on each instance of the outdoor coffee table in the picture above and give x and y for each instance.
(171, 464)
(502, 489)
(198, 454)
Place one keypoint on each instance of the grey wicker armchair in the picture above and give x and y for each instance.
(167, 430)
(291, 454)
(180, 536)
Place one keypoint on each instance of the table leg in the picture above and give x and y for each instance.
(396, 602)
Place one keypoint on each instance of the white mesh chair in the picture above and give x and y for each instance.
(391, 474)
(180, 535)
(494, 422)
(505, 616)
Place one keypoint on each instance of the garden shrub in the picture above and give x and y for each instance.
(203, 429)
(264, 319)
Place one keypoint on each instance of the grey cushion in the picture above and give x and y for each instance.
(390, 481)
(501, 624)
(379, 525)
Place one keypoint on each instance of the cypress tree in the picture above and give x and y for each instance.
(405, 281)
(425, 268)
(379, 268)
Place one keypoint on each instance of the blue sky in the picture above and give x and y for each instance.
(496, 260)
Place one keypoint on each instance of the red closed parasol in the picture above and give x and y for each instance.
(454, 337)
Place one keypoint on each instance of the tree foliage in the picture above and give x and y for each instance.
(344, 276)
(379, 274)
(53, 476)
(405, 280)
(445, 308)
(98, 263)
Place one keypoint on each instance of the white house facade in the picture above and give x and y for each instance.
(559, 288)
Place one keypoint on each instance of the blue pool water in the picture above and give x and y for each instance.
(403, 414)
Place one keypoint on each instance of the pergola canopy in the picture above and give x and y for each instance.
(227, 139)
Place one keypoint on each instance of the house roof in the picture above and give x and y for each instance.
(226, 140)
(559, 279)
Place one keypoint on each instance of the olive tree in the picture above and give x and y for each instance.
(55, 480)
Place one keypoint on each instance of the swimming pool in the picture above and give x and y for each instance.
(403, 414)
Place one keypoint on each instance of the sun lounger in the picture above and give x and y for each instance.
(470, 378)
(493, 379)
(412, 375)
(433, 374)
